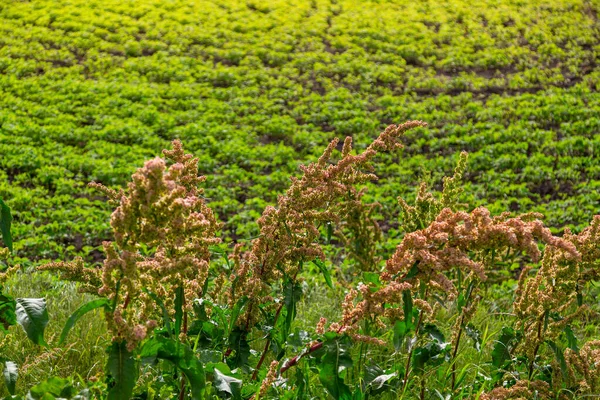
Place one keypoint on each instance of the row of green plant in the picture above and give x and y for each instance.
(89, 90)
(193, 318)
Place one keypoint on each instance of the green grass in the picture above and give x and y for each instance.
(83, 357)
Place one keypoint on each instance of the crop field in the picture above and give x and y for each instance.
(252, 285)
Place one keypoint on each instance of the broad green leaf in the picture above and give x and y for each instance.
(122, 371)
(503, 347)
(8, 312)
(400, 332)
(432, 353)
(33, 317)
(227, 386)
(434, 333)
(181, 356)
(329, 231)
(80, 312)
(463, 298)
(335, 360)
(571, 339)
(323, 268)
(11, 373)
(358, 393)
(372, 277)
(301, 384)
(241, 348)
(5, 221)
(210, 356)
(414, 270)
(377, 380)
(237, 309)
(52, 388)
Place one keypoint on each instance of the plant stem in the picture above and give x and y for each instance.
(407, 369)
(537, 346)
(267, 345)
(294, 360)
(455, 352)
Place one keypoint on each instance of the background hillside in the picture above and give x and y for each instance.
(89, 89)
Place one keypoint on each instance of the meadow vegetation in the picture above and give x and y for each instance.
(453, 259)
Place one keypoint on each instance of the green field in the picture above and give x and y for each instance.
(88, 90)
(91, 89)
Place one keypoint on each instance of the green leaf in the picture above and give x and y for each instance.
(434, 333)
(8, 313)
(239, 344)
(33, 317)
(414, 270)
(210, 356)
(80, 312)
(301, 384)
(571, 339)
(323, 268)
(180, 355)
(178, 310)
(11, 373)
(52, 388)
(377, 380)
(122, 371)
(227, 386)
(432, 353)
(335, 360)
(237, 309)
(400, 332)
(560, 358)
(292, 295)
(503, 347)
(372, 277)
(5, 221)
(463, 298)
(407, 306)
(475, 335)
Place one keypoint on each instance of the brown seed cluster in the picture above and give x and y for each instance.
(454, 240)
(269, 379)
(76, 271)
(522, 390)
(552, 289)
(584, 367)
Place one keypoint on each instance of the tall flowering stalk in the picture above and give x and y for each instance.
(425, 260)
(546, 302)
(426, 257)
(551, 290)
(289, 232)
(326, 193)
(163, 230)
